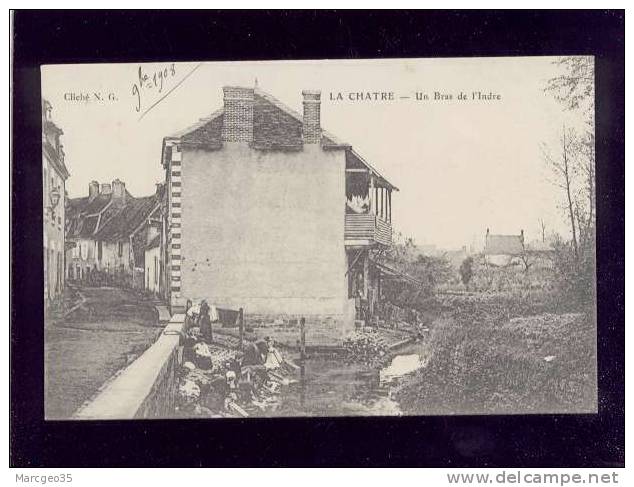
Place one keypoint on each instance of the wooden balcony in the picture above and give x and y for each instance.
(367, 229)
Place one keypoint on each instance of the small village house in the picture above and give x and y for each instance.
(86, 215)
(54, 175)
(107, 231)
(153, 266)
(154, 249)
(270, 212)
(503, 250)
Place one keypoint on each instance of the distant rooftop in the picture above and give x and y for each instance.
(504, 244)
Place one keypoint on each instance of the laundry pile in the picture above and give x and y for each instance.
(216, 379)
(358, 204)
(367, 347)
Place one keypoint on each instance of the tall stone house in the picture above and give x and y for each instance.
(107, 233)
(269, 212)
(54, 176)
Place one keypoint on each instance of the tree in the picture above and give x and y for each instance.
(527, 260)
(574, 172)
(430, 271)
(573, 88)
(563, 177)
(466, 271)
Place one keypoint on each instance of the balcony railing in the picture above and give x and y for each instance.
(367, 229)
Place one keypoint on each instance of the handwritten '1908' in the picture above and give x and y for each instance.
(147, 83)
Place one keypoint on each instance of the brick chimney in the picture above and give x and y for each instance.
(238, 114)
(93, 190)
(118, 189)
(312, 122)
(106, 188)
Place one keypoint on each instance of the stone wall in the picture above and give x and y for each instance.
(147, 388)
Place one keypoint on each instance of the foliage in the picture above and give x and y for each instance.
(430, 271)
(574, 86)
(514, 278)
(573, 169)
(489, 359)
(575, 277)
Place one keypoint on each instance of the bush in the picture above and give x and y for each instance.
(575, 278)
(485, 361)
(466, 271)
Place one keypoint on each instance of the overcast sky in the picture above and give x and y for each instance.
(461, 166)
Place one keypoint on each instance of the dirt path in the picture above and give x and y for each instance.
(92, 342)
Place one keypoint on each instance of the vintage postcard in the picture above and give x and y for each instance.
(319, 238)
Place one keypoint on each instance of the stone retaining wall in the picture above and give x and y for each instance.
(147, 388)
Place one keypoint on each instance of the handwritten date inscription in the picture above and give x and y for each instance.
(149, 83)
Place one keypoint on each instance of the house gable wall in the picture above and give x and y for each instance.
(264, 230)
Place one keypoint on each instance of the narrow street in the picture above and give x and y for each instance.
(104, 329)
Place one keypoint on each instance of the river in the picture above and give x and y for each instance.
(328, 386)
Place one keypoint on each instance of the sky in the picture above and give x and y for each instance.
(461, 166)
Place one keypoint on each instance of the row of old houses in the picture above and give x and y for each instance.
(99, 238)
(108, 232)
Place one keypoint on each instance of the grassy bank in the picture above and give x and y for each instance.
(504, 356)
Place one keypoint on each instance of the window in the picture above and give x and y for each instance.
(99, 250)
(120, 248)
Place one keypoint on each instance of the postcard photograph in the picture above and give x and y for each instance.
(319, 238)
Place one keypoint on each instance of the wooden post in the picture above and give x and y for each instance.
(241, 327)
(371, 195)
(366, 274)
(302, 381)
(376, 197)
(302, 335)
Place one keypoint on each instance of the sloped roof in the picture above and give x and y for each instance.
(75, 204)
(85, 216)
(504, 245)
(82, 215)
(275, 127)
(127, 219)
(56, 158)
(392, 272)
(155, 242)
(81, 227)
(96, 205)
(206, 132)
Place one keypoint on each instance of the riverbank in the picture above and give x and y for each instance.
(353, 379)
(499, 356)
